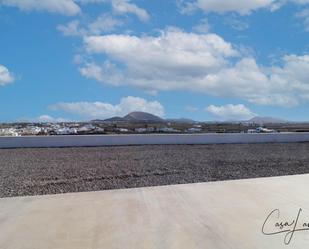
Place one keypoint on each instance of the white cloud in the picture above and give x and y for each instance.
(93, 71)
(102, 24)
(304, 14)
(71, 29)
(106, 72)
(106, 110)
(282, 86)
(236, 23)
(64, 7)
(242, 7)
(125, 7)
(176, 60)
(5, 76)
(202, 27)
(231, 112)
(174, 55)
(122, 7)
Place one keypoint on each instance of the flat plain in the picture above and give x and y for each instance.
(61, 170)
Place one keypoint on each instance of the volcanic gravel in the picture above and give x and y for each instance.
(60, 170)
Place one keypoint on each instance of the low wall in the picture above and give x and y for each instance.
(109, 140)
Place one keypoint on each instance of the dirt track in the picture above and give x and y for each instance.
(50, 171)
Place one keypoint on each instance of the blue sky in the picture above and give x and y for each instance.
(200, 59)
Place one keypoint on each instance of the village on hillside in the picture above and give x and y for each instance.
(140, 122)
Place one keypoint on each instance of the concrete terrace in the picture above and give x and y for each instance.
(219, 215)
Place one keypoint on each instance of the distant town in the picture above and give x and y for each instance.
(146, 123)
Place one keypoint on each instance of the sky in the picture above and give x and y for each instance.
(67, 60)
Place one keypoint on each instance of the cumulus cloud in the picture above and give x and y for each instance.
(304, 15)
(106, 110)
(64, 7)
(93, 71)
(107, 72)
(231, 112)
(151, 61)
(71, 7)
(126, 7)
(242, 7)
(285, 85)
(5, 76)
(122, 7)
(102, 24)
(71, 29)
(203, 63)
(250, 82)
(236, 23)
(202, 27)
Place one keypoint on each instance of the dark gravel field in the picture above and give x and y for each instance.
(60, 170)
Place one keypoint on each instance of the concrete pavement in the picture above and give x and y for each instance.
(216, 215)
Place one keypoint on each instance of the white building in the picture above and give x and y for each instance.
(140, 130)
(264, 130)
(194, 129)
(122, 130)
(9, 132)
(251, 131)
(86, 128)
(66, 131)
(167, 129)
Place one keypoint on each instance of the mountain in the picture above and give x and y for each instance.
(133, 117)
(115, 119)
(182, 120)
(142, 117)
(266, 120)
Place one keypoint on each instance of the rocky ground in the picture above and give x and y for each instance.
(60, 170)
